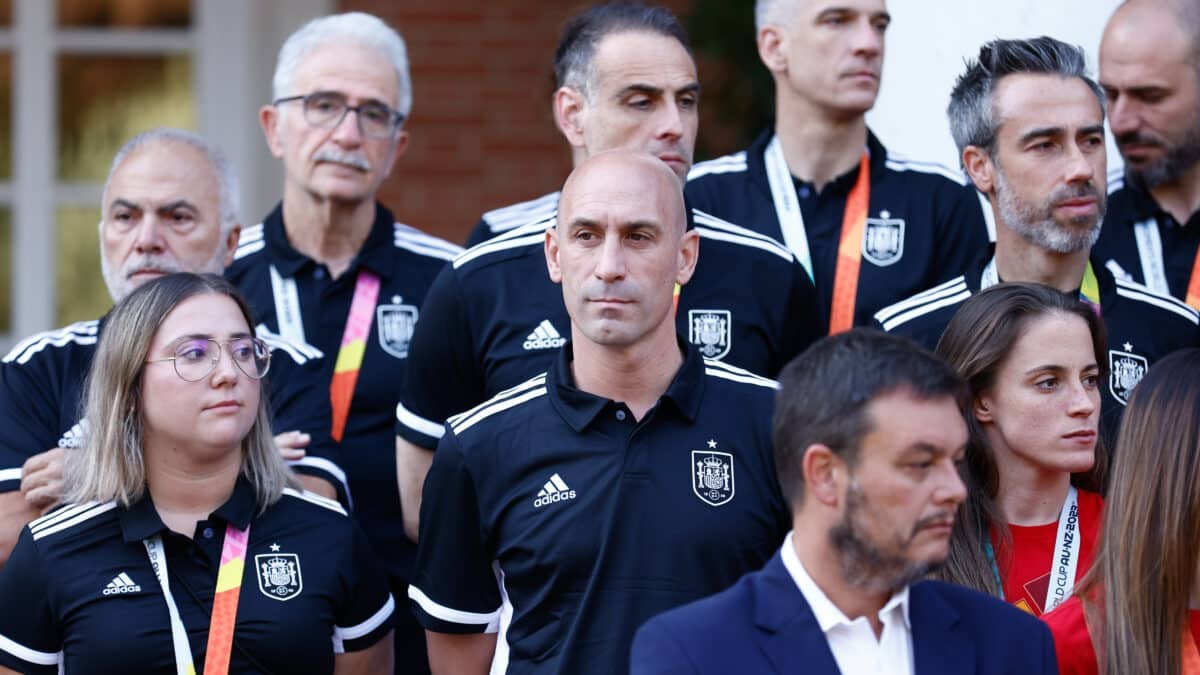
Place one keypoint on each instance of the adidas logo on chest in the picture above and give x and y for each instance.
(555, 490)
(543, 337)
(120, 585)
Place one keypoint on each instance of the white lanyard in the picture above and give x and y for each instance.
(1150, 253)
(179, 639)
(990, 276)
(787, 204)
(1066, 553)
(287, 307)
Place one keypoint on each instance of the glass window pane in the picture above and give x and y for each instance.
(6, 263)
(5, 116)
(82, 294)
(106, 100)
(124, 13)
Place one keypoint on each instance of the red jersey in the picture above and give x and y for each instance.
(1027, 567)
(1073, 641)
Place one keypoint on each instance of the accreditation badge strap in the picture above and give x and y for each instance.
(287, 307)
(849, 259)
(225, 603)
(354, 347)
(1154, 273)
(1089, 290)
(787, 204)
(1066, 553)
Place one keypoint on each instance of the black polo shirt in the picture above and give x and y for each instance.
(80, 588)
(494, 318)
(934, 220)
(506, 218)
(585, 523)
(42, 390)
(1138, 235)
(1142, 328)
(406, 261)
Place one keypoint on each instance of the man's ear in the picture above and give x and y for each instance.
(570, 106)
(551, 249)
(231, 242)
(772, 49)
(689, 253)
(824, 472)
(268, 119)
(980, 167)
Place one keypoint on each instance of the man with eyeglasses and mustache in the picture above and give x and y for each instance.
(1029, 126)
(170, 204)
(331, 267)
(868, 435)
(1150, 72)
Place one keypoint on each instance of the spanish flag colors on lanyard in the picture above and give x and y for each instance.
(354, 347)
(1154, 274)
(849, 259)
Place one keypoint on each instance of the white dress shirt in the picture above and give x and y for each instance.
(853, 643)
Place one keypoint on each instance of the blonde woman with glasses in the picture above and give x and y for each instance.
(186, 545)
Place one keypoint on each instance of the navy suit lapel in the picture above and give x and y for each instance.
(792, 640)
(937, 645)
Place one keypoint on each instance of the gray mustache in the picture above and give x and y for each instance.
(350, 159)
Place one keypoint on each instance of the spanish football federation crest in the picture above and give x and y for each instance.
(395, 324)
(883, 239)
(279, 574)
(712, 476)
(1125, 370)
(711, 331)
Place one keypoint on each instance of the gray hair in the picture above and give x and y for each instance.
(111, 465)
(355, 27)
(576, 51)
(228, 195)
(770, 12)
(972, 110)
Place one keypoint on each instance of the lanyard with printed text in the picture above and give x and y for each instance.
(354, 347)
(1089, 290)
(1154, 273)
(287, 307)
(1066, 555)
(225, 603)
(795, 236)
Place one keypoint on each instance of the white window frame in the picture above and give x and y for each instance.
(232, 44)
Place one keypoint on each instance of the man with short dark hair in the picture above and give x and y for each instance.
(626, 80)
(868, 434)
(632, 476)
(1029, 124)
(1150, 71)
(331, 266)
(870, 226)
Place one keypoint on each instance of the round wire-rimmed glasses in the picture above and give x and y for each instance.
(195, 358)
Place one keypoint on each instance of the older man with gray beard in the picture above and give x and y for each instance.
(1029, 125)
(170, 204)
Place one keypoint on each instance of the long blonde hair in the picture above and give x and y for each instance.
(110, 466)
(1136, 595)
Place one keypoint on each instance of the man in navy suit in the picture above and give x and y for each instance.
(868, 435)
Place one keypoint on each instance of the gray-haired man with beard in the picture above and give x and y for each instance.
(1029, 125)
(867, 433)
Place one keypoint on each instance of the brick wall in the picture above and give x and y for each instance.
(482, 132)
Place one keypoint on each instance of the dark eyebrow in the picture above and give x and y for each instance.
(637, 88)
(124, 203)
(178, 203)
(1094, 129)
(1041, 132)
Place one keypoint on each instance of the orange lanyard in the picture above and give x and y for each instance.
(354, 347)
(849, 259)
(1193, 289)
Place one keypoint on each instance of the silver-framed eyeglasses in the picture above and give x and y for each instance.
(195, 358)
(327, 109)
